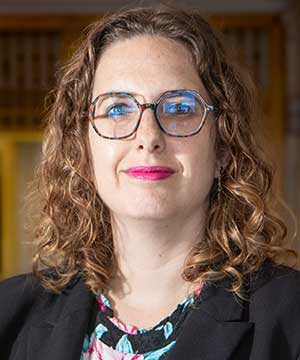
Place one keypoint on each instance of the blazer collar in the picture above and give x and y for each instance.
(214, 330)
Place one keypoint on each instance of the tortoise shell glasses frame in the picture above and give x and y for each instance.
(154, 107)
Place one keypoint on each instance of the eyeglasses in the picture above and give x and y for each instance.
(179, 113)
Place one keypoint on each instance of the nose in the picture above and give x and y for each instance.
(148, 119)
(149, 135)
(145, 107)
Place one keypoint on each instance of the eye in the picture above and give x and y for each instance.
(179, 108)
(119, 109)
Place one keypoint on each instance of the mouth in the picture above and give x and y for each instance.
(150, 172)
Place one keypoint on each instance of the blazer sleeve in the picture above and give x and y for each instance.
(17, 295)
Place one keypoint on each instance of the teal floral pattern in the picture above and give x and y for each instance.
(111, 339)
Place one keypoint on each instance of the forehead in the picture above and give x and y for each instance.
(147, 66)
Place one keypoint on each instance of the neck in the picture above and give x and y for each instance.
(150, 257)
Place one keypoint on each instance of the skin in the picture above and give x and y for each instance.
(155, 224)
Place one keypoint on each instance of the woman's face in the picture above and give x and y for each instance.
(148, 66)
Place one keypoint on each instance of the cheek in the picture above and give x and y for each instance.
(198, 153)
(199, 161)
(201, 168)
(104, 156)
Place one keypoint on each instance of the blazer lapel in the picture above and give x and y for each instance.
(216, 330)
(61, 333)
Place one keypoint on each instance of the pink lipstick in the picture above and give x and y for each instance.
(150, 172)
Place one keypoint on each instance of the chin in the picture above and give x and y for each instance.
(146, 213)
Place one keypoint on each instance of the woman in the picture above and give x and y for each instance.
(155, 237)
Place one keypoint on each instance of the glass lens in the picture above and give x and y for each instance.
(181, 113)
(115, 115)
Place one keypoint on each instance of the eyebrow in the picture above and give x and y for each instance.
(122, 91)
(140, 95)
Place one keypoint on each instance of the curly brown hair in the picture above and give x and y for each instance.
(69, 222)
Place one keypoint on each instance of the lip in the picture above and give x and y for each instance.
(150, 172)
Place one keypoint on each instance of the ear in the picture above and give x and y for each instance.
(218, 169)
(221, 163)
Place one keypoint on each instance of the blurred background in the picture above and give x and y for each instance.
(36, 37)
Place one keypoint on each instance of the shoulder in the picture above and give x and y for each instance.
(20, 296)
(274, 281)
(17, 296)
(23, 299)
(274, 309)
(25, 304)
(275, 297)
(22, 292)
(17, 292)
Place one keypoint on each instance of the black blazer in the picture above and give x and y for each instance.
(39, 325)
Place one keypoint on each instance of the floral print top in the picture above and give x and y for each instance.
(111, 339)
